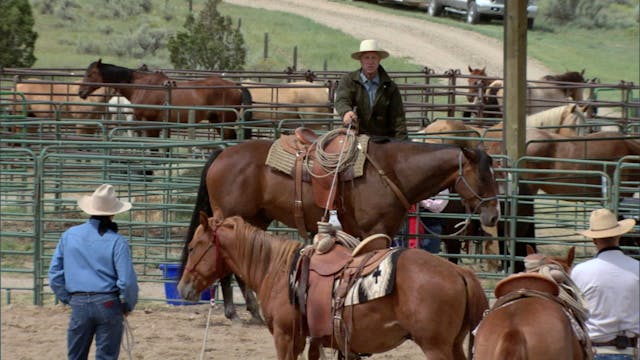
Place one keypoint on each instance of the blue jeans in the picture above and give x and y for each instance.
(95, 315)
(430, 242)
(612, 357)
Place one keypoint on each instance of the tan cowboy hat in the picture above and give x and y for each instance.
(603, 223)
(370, 45)
(103, 201)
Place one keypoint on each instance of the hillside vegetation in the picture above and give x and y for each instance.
(73, 33)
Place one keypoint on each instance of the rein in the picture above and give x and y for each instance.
(467, 220)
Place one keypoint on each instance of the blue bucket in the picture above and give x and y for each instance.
(171, 272)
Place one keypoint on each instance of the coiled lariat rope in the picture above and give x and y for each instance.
(127, 339)
(333, 163)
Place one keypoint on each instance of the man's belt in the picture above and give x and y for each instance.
(80, 293)
(620, 342)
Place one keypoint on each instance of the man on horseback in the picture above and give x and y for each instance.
(369, 98)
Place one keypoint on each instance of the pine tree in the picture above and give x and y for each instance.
(209, 42)
(17, 38)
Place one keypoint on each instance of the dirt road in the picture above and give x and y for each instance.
(437, 46)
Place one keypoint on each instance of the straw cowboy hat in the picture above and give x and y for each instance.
(103, 201)
(370, 45)
(603, 223)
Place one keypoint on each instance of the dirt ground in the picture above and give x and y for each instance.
(158, 331)
(161, 331)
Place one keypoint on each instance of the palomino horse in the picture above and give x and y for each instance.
(237, 181)
(547, 92)
(566, 120)
(212, 91)
(598, 146)
(43, 99)
(530, 320)
(295, 100)
(433, 302)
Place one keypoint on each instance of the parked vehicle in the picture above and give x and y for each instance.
(478, 10)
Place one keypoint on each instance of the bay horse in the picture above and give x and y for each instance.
(212, 91)
(547, 92)
(237, 181)
(46, 100)
(433, 302)
(529, 320)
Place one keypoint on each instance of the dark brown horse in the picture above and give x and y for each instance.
(529, 320)
(433, 302)
(212, 91)
(237, 181)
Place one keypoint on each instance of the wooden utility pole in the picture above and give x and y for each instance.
(515, 78)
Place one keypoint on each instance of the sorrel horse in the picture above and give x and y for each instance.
(212, 91)
(237, 181)
(599, 146)
(46, 100)
(436, 311)
(529, 320)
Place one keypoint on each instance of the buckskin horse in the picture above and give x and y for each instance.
(431, 301)
(156, 88)
(237, 181)
(535, 316)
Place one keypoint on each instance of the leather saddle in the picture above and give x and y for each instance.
(324, 281)
(303, 143)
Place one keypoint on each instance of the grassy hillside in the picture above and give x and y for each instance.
(74, 35)
(94, 28)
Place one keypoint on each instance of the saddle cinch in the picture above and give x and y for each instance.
(323, 281)
(303, 145)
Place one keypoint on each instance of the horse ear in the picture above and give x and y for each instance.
(571, 255)
(483, 69)
(470, 154)
(99, 61)
(530, 250)
(582, 72)
(469, 67)
(204, 220)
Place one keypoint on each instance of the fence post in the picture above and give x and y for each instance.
(295, 57)
(266, 46)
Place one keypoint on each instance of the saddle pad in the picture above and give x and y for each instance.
(377, 284)
(283, 161)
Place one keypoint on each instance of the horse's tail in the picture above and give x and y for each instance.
(512, 345)
(247, 100)
(202, 204)
(477, 303)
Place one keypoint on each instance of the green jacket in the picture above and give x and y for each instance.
(386, 118)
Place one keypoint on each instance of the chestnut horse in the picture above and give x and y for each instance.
(433, 302)
(237, 181)
(529, 320)
(212, 91)
(598, 146)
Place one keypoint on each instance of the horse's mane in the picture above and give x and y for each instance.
(260, 249)
(569, 76)
(116, 73)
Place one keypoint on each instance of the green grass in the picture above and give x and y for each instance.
(608, 54)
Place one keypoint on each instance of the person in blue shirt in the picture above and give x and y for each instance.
(92, 271)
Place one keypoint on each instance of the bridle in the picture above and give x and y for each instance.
(215, 242)
(462, 179)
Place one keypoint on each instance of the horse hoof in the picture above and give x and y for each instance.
(255, 321)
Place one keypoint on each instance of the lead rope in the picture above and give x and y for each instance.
(212, 302)
(127, 338)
